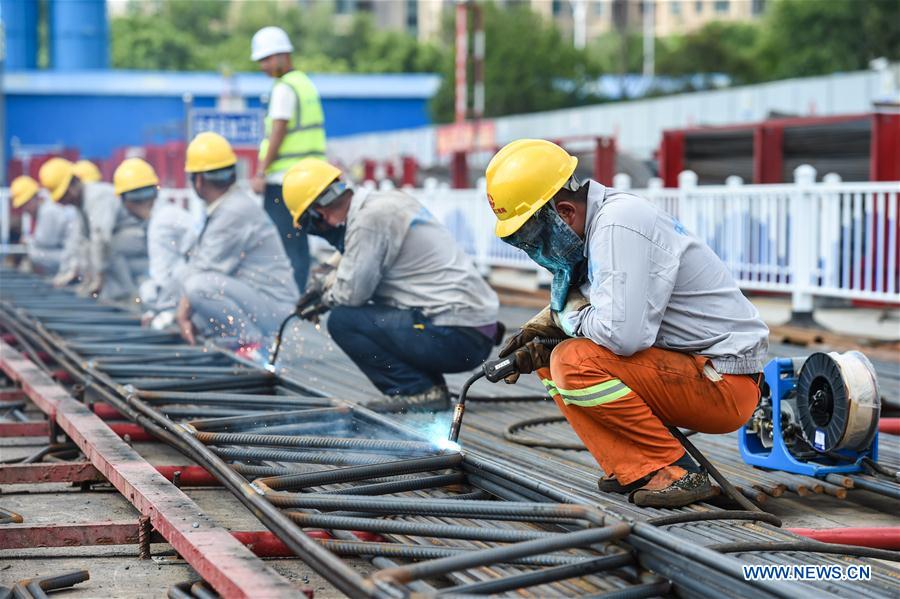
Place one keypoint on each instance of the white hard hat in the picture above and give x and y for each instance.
(268, 41)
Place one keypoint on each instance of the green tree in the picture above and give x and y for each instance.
(718, 47)
(528, 67)
(816, 37)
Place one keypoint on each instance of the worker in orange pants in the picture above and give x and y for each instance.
(620, 407)
(661, 334)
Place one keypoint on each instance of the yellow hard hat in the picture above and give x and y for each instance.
(87, 171)
(133, 173)
(304, 182)
(209, 152)
(55, 176)
(522, 177)
(22, 190)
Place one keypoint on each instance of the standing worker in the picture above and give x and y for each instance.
(237, 284)
(87, 171)
(107, 248)
(295, 129)
(407, 304)
(170, 234)
(663, 335)
(44, 244)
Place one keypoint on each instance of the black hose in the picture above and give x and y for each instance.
(684, 518)
(279, 338)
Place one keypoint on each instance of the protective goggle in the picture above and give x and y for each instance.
(144, 194)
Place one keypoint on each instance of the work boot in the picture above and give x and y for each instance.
(673, 486)
(431, 400)
(611, 484)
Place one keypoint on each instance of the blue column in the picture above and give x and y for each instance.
(79, 35)
(20, 20)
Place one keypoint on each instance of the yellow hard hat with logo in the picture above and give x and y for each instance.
(55, 176)
(522, 177)
(132, 174)
(22, 190)
(87, 171)
(209, 152)
(304, 182)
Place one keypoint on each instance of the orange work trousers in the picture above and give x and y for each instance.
(620, 406)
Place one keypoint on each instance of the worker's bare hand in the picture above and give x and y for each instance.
(541, 325)
(183, 318)
(258, 184)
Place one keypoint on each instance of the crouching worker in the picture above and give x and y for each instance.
(107, 247)
(238, 284)
(662, 336)
(44, 243)
(406, 303)
(170, 234)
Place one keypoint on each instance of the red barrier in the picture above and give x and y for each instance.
(890, 426)
(887, 537)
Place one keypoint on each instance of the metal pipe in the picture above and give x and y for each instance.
(530, 579)
(438, 567)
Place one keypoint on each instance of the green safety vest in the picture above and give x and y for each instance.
(305, 136)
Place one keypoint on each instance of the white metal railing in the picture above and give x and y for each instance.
(829, 239)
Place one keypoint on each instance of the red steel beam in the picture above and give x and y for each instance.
(24, 429)
(28, 474)
(262, 543)
(11, 395)
(79, 472)
(231, 569)
(69, 535)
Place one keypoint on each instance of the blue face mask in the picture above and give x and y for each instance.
(313, 224)
(550, 242)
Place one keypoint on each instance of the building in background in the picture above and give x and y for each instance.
(422, 18)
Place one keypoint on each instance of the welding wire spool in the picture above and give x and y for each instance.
(838, 402)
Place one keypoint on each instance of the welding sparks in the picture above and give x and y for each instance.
(447, 445)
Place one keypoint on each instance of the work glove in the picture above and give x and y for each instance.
(567, 318)
(540, 325)
(530, 357)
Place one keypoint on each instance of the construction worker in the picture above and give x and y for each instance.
(237, 284)
(295, 128)
(44, 243)
(170, 234)
(107, 249)
(406, 303)
(662, 336)
(87, 171)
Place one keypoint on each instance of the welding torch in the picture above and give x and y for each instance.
(494, 371)
(309, 307)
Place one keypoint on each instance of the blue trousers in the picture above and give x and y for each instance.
(294, 240)
(401, 351)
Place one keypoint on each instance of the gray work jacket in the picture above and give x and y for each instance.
(651, 283)
(396, 253)
(239, 240)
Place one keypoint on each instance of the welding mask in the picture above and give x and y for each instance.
(551, 243)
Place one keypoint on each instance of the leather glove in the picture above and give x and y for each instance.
(575, 302)
(540, 325)
(530, 357)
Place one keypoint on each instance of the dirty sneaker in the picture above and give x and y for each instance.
(431, 400)
(611, 484)
(673, 486)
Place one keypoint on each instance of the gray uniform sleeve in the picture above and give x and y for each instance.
(361, 269)
(222, 245)
(102, 213)
(74, 260)
(631, 281)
